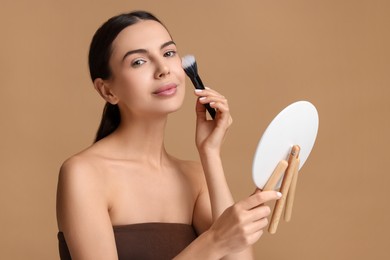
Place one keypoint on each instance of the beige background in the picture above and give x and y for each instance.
(262, 55)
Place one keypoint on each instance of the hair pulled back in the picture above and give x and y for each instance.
(98, 59)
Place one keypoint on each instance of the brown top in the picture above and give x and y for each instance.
(145, 240)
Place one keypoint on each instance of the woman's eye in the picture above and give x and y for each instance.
(137, 63)
(169, 54)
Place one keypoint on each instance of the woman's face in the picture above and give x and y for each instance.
(147, 75)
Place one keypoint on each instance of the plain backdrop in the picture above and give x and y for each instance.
(262, 55)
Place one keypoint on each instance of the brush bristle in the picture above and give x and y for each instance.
(189, 65)
(187, 61)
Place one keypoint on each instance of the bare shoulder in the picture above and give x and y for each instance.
(191, 167)
(188, 167)
(193, 170)
(75, 163)
(79, 185)
(79, 172)
(82, 208)
(79, 167)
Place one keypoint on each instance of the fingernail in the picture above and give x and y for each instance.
(198, 90)
(279, 194)
(202, 98)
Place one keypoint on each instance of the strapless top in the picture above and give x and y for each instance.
(145, 241)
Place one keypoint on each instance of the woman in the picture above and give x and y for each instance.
(125, 197)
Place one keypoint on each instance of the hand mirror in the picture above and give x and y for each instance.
(297, 124)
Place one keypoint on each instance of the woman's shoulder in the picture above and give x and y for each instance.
(80, 186)
(188, 166)
(84, 164)
(80, 159)
(192, 169)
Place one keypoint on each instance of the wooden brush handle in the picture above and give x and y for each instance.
(291, 193)
(284, 190)
(276, 175)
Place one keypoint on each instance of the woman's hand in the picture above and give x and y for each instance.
(210, 133)
(241, 225)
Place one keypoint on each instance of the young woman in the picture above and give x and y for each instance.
(125, 197)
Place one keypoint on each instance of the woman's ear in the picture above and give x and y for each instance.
(103, 88)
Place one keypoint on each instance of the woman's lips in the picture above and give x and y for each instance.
(166, 90)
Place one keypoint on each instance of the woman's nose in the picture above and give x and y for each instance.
(162, 69)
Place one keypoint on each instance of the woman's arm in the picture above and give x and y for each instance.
(209, 138)
(82, 212)
(220, 195)
(235, 230)
(248, 222)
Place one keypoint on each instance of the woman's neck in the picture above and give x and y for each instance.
(141, 139)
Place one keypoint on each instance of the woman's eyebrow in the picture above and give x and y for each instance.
(167, 44)
(145, 50)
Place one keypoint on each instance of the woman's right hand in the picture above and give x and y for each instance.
(211, 133)
(241, 225)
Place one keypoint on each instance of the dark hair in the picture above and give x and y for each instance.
(99, 55)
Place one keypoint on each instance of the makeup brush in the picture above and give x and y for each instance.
(189, 65)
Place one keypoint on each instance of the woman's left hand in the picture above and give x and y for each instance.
(211, 133)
